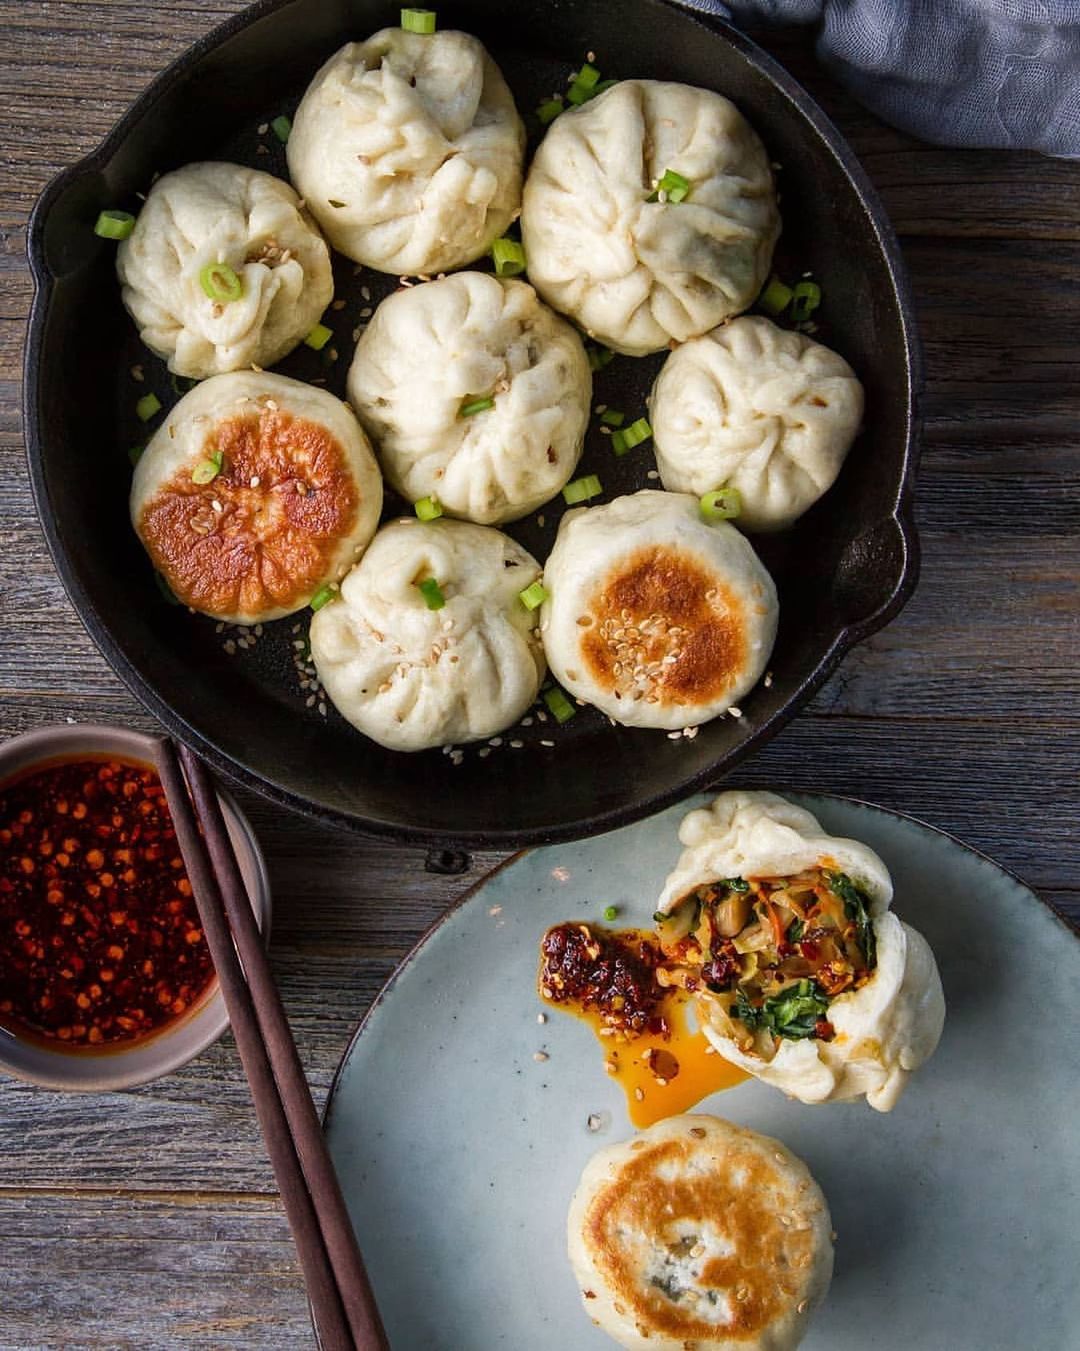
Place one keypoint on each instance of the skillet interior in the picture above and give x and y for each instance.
(842, 571)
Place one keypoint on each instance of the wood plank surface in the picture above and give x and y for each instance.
(149, 1220)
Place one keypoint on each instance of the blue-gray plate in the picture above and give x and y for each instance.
(956, 1214)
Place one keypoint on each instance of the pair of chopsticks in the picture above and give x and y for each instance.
(344, 1309)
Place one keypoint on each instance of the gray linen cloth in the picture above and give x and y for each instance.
(992, 73)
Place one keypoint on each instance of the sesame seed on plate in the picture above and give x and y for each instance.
(541, 1056)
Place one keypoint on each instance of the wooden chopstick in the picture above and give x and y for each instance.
(342, 1302)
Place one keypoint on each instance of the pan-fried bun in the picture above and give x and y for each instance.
(255, 492)
(655, 616)
(698, 1235)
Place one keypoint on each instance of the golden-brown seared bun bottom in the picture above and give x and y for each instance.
(700, 1234)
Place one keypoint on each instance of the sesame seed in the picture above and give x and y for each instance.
(653, 474)
(639, 1094)
(338, 305)
(495, 741)
(309, 702)
(802, 1306)
(541, 1018)
(541, 1056)
(365, 292)
(768, 679)
(547, 743)
(516, 745)
(674, 736)
(735, 712)
(322, 710)
(264, 127)
(594, 1122)
(230, 648)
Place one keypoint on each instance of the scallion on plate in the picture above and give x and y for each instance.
(114, 224)
(221, 283)
(533, 596)
(418, 20)
(581, 489)
(722, 504)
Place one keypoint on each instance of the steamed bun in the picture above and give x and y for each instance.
(758, 408)
(805, 978)
(700, 1234)
(411, 677)
(633, 273)
(653, 615)
(431, 349)
(408, 150)
(254, 493)
(223, 213)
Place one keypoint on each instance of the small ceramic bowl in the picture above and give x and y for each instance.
(91, 1070)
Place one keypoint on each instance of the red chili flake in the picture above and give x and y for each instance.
(77, 932)
(609, 972)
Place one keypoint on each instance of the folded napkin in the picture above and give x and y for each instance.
(992, 73)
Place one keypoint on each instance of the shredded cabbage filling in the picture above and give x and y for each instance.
(772, 952)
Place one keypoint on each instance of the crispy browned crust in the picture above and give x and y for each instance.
(665, 1184)
(262, 535)
(665, 628)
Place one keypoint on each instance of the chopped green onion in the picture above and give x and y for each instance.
(582, 489)
(549, 110)
(114, 224)
(166, 590)
(611, 912)
(674, 187)
(319, 336)
(588, 76)
(722, 504)
(418, 20)
(324, 595)
(431, 591)
(207, 470)
(611, 417)
(509, 257)
(598, 356)
(631, 436)
(660, 917)
(559, 706)
(135, 454)
(147, 406)
(533, 596)
(428, 508)
(776, 297)
(181, 384)
(221, 283)
(471, 406)
(281, 127)
(603, 87)
(806, 297)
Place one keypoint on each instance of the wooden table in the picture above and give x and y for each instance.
(149, 1219)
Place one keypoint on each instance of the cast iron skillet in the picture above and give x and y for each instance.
(843, 571)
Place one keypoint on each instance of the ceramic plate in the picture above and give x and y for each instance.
(955, 1214)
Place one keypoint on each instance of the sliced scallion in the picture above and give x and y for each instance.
(431, 591)
(611, 912)
(672, 186)
(533, 596)
(598, 356)
(776, 297)
(631, 436)
(471, 406)
(207, 470)
(722, 504)
(181, 385)
(135, 454)
(805, 298)
(549, 110)
(428, 508)
(281, 127)
(611, 417)
(509, 257)
(324, 595)
(583, 84)
(221, 283)
(114, 224)
(559, 706)
(147, 406)
(418, 20)
(582, 489)
(319, 336)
